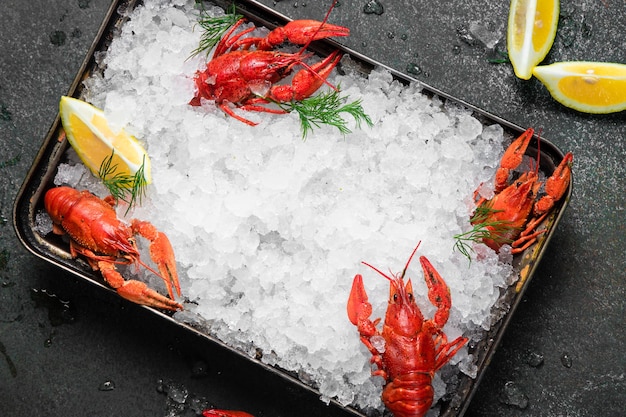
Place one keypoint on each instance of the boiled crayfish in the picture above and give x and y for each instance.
(96, 233)
(244, 78)
(414, 348)
(514, 213)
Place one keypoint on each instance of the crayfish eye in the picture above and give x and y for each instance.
(410, 295)
(395, 297)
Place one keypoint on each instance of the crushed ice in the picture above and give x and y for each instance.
(269, 230)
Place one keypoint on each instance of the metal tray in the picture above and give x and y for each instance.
(29, 202)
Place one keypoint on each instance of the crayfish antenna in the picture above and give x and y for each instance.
(410, 258)
(306, 45)
(405, 266)
(378, 270)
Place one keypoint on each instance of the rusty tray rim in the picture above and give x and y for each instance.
(52, 151)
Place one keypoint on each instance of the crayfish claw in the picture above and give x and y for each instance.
(302, 31)
(512, 158)
(555, 185)
(161, 252)
(138, 292)
(438, 292)
(359, 308)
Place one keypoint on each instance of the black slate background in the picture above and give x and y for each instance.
(572, 314)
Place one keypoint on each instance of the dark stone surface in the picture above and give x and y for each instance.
(59, 358)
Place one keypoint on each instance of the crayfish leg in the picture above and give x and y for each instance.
(446, 351)
(226, 108)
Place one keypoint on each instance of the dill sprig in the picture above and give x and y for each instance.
(125, 187)
(326, 108)
(214, 27)
(503, 58)
(480, 223)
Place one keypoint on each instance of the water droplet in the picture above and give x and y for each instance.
(534, 359)
(413, 69)
(199, 369)
(456, 49)
(404, 37)
(391, 35)
(107, 386)
(364, 44)
(566, 360)
(198, 404)
(83, 4)
(58, 37)
(59, 311)
(514, 396)
(161, 386)
(373, 7)
(178, 393)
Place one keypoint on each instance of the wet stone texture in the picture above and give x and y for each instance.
(572, 315)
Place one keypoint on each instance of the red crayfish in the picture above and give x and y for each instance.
(514, 213)
(96, 233)
(225, 413)
(414, 348)
(246, 78)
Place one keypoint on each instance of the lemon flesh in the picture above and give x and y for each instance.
(89, 133)
(590, 87)
(530, 34)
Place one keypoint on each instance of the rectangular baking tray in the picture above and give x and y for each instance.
(29, 202)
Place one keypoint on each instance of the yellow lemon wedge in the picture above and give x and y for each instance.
(89, 133)
(589, 87)
(530, 33)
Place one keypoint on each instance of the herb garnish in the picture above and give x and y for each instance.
(125, 187)
(326, 108)
(480, 231)
(214, 28)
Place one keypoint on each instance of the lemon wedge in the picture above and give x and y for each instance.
(530, 33)
(89, 133)
(589, 87)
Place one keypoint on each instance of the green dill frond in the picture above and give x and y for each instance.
(480, 223)
(326, 108)
(503, 58)
(213, 29)
(125, 187)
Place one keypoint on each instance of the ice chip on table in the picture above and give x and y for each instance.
(43, 223)
(488, 37)
(269, 230)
